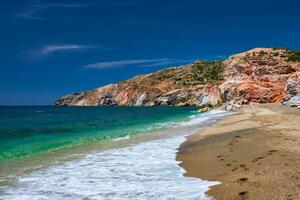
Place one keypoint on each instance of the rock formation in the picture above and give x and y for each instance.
(261, 75)
(292, 89)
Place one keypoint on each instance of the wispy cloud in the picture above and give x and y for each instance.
(141, 62)
(46, 50)
(51, 49)
(28, 15)
(32, 11)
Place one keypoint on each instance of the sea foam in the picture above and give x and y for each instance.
(146, 170)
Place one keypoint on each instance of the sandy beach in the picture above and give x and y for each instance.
(254, 153)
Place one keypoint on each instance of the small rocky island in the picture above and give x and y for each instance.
(261, 75)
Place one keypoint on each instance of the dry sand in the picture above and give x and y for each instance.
(255, 154)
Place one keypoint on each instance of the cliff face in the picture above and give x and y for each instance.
(188, 85)
(260, 75)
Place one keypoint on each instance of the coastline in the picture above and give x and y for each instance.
(125, 163)
(253, 153)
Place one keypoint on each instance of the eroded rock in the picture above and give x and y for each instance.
(261, 75)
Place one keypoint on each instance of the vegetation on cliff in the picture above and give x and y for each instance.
(260, 75)
(208, 71)
(293, 56)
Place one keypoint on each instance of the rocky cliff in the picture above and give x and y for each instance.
(261, 75)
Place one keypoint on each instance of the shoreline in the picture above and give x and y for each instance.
(152, 158)
(16, 168)
(253, 153)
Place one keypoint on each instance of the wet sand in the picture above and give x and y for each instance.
(255, 154)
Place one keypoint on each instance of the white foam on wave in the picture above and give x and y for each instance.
(122, 138)
(194, 119)
(147, 170)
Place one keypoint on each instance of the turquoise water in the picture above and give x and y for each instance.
(26, 131)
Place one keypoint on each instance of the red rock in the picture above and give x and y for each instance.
(262, 75)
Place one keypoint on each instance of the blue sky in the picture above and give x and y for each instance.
(53, 48)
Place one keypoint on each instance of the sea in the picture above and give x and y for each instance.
(105, 153)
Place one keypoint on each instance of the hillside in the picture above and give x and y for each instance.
(261, 75)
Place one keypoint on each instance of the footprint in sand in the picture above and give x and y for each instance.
(220, 157)
(244, 194)
(271, 152)
(274, 150)
(244, 166)
(258, 158)
(242, 180)
(289, 197)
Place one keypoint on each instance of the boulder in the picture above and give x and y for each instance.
(293, 102)
(293, 91)
(210, 96)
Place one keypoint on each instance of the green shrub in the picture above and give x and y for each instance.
(209, 71)
(294, 56)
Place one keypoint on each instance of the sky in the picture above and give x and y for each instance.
(52, 48)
